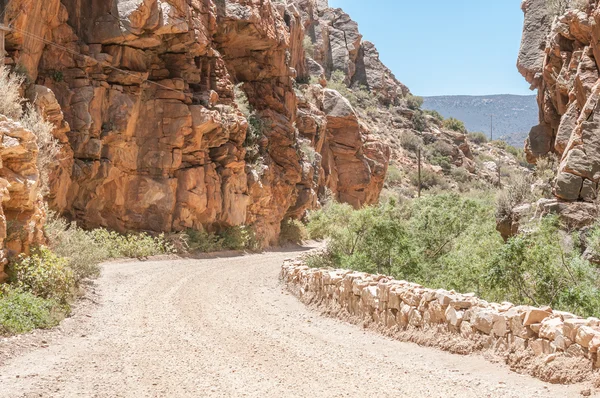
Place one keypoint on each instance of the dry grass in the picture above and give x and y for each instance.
(11, 100)
(12, 106)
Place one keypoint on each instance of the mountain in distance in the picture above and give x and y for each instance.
(513, 115)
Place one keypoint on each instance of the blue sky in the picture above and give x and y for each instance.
(445, 47)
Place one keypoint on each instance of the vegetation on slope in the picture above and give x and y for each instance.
(450, 241)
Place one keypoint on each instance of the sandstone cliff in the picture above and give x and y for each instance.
(142, 94)
(21, 204)
(558, 57)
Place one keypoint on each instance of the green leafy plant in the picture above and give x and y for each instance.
(414, 102)
(478, 137)
(454, 124)
(292, 232)
(44, 274)
(21, 311)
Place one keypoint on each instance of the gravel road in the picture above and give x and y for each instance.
(226, 327)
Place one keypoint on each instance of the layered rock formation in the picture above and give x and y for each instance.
(142, 96)
(559, 57)
(22, 212)
(337, 45)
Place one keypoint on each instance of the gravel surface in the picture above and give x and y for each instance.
(226, 327)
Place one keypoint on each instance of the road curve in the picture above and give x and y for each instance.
(226, 327)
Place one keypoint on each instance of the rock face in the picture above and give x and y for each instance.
(559, 56)
(21, 204)
(338, 46)
(142, 96)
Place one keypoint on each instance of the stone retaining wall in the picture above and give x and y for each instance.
(553, 345)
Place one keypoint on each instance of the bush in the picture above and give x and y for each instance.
(429, 179)
(49, 147)
(11, 105)
(410, 141)
(459, 174)
(76, 245)
(319, 259)
(44, 274)
(450, 241)
(139, 245)
(85, 250)
(292, 232)
(241, 99)
(478, 138)
(308, 152)
(232, 238)
(538, 268)
(414, 102)
(442, 148)
(394, 175)
(21, 311)
(515, 194)
(358, 96)
(10, 100)
(419, 122)
(507, 147)
(454, 124)
(436, 115)
(238, 238)
(309, 47)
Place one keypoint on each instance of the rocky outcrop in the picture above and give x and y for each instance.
(337, 45)
(559, 57)
(142, 96)
(352, 164)
(22, 214)
(556, 346)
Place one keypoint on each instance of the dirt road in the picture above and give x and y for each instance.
(227, 328)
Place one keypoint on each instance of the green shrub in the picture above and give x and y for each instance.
(394, 175)
(81, 251)
(441, 148)
(518, 192)
(450, 241)
(358, 96)
(320, 259)
(436, 115)
(85, 250)
(460, 174)
(478, 137)
(429, 179)
(232, 238)
(44, 274)
(410, 141)
(507, 147)
(419, 122)
(455, 124)
(538, 268)
(202, 241)
(21, 311)
(414, 102)
(239, 238)
(292, 232)
(139, 245)
(309, 47)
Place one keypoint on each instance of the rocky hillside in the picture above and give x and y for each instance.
(142, 94)
(172, 115)
(513, 115)
(559, 56)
